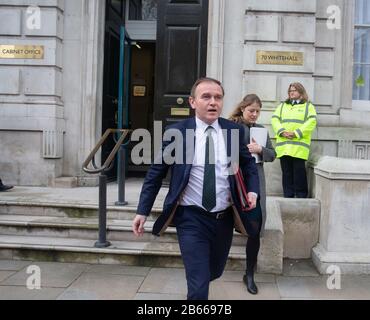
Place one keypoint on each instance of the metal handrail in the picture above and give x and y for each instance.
(108, 164)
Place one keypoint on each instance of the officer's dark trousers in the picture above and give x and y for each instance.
(294, 177)
(204, 243)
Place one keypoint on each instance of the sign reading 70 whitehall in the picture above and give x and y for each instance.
(280, 57)
(21, 52)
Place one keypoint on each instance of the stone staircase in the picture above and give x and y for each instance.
(53, 231)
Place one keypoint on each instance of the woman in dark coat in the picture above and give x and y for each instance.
(247, 113)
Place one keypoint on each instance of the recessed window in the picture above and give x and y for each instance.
(143, 10)
(361, 65)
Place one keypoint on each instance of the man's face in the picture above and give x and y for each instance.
(208, 102)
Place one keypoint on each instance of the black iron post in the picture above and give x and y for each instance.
(102, 242)
(121, 177)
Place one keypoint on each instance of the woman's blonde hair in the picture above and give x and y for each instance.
(237, 114)
(300, 88)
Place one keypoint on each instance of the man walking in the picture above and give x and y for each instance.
(202, 200)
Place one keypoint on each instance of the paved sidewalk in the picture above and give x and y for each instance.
(72, 281)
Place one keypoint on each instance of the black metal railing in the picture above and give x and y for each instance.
(108, 165)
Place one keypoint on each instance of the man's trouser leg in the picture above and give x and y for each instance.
(197, 235)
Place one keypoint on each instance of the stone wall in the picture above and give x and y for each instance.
(305, 26)
(53, 104)
(58, 99)
(287, 26)
(31, 107)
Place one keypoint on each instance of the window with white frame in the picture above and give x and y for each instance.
(361, 65)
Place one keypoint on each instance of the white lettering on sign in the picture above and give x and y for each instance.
(33, 20)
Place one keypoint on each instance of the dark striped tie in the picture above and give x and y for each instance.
(209, 179)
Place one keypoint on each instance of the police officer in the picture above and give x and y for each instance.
(293, 122)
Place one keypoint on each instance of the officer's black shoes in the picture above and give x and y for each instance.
(249, 282)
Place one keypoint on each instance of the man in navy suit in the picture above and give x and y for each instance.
(202, 200)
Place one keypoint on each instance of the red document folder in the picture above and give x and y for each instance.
(242, 190)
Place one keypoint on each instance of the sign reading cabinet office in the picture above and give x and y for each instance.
(21, 52)
(280, 57)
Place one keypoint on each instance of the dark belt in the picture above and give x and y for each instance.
(215, 215)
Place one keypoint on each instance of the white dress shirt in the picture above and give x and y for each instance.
(193, 192)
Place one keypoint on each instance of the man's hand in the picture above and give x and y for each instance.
(252, 200)
(138, 225)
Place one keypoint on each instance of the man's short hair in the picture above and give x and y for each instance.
(205, 79)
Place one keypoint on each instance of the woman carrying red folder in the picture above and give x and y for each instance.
(247, 113)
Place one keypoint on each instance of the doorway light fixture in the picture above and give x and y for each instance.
(134, 43)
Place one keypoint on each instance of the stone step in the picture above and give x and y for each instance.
(85, 228)
(83, 233)
(53, 209)
(292, 225)
(153, 254)
(76, 221)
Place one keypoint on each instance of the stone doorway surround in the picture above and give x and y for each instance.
(92, 53)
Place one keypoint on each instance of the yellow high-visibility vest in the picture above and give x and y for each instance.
(300, 119)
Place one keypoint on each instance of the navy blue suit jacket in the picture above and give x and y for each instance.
(180, 173)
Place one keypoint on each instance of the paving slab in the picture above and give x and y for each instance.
(232, 276)
(224, 290)
(53, 275)
(352, 287)
(299, 268)
(13, 265)
(264, 278)
(22, 293)
(97, 286)
(159, 296)
(238, 276)
(165, 280)
(119, 270)
(5, 274)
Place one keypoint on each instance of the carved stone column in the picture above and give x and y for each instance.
(216, 34)
(92, 50)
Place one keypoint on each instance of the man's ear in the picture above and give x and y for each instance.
(191, 102)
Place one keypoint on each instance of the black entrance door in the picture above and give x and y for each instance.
(114, 20)
(181, 56)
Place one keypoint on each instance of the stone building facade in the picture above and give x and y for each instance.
(51, 107)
